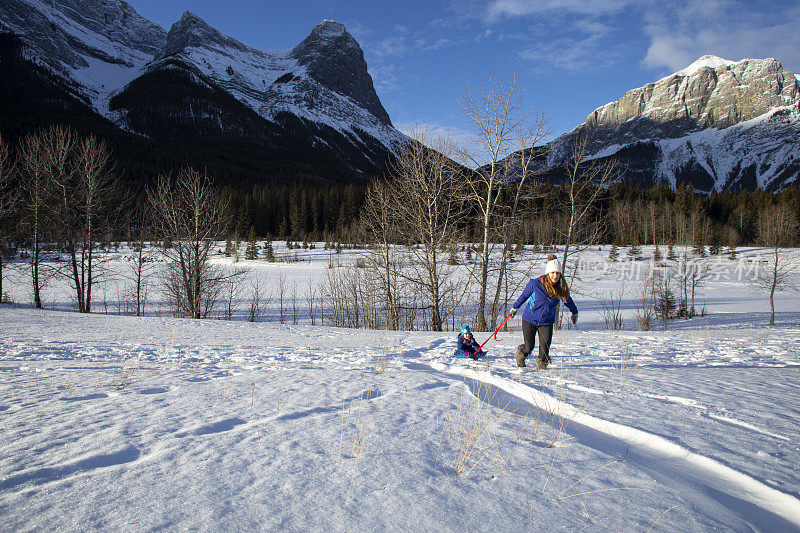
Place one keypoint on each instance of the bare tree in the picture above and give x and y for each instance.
(190, 216)
(141, 269)
(35, 194)
(6, 201)
(646, 301)
(585, 181)
(82, 176)
(521, 178)
(431, 207)
(691, 273)
(380, 225)
(777, 229)
(506, 133)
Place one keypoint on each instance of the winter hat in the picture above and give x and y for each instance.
(552, 264)
(465, 329)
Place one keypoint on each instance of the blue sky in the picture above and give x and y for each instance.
(572, 56)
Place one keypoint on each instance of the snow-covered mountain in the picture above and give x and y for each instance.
(318, 93)
(309, 81)
(100, 45)
(717, 124)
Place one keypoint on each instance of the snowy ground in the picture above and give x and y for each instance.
(115, 422)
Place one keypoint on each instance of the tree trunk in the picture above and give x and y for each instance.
(772, 307)
(772, 288)
(37, 297)
(481, 318)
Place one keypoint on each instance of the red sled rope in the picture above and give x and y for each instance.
(495, 331)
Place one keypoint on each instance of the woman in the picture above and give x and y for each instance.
(540, 314)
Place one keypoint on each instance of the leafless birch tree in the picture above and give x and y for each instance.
(81, 175)
(190, 216)
(7, 197)
(35, 195)
(428, 210)
(380, 224)
(777, 229)
(585, 181)
(506, 133)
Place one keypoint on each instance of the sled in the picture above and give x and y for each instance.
(460, 355)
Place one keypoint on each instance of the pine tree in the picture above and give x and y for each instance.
(453, 258)
(251, 252)
(269, 252)
(665, 303)
(715, 246)
(635, 251)
(228, 248)
(671, 251)
(699, 247)
(657, 255)
(468, 254)
(732, 252)
(613, 253)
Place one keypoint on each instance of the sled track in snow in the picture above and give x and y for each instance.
(761, 506)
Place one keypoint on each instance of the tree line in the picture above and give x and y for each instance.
(61, 194)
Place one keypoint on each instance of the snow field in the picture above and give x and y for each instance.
(118, 422)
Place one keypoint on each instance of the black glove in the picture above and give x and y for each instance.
(574, 318)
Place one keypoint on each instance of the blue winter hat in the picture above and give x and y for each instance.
(465, 329)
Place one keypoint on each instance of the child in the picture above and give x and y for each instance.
(467, 344)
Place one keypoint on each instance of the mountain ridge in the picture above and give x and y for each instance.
(716, 124)
(318, 93)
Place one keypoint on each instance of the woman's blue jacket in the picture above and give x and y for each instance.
(541, 309)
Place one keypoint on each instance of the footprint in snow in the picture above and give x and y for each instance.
(96, 396)
(154, 390)
(215, 427)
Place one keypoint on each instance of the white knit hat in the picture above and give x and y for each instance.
(553, 266)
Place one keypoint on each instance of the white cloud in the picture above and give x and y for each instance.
(731, 29)
(499, 9)
(384, 78)
(483, 35)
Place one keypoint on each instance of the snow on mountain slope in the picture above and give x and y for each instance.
(763, 144)
(100, 45)
(269, 81)
(716, 123)
(707, 61)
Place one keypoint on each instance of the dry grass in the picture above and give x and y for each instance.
(358, 416)
(382, 359)
(622, 371)
(471, 425)
(129, 367)
(661, 516)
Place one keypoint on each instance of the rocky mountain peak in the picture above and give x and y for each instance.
(65, 33)
(193, 32)
(333, 57)
(711, 92)
(706, 61)
(329, 29)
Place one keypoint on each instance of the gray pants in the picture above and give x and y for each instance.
(545, 337)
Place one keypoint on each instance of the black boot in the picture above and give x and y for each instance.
(542, 362)
(520, 356)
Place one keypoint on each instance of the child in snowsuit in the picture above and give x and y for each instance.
(467, 346)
